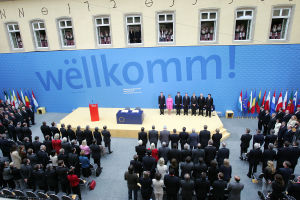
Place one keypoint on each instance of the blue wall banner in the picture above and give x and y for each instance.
(134, 77)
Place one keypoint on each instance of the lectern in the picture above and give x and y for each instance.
(94, 112)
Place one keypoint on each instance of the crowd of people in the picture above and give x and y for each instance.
(186, 103)
(200, 168)
(58, 163)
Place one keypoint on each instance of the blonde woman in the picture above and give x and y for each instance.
(269, 173)
(161, 167)
(158, 185)
(277, 126)
(56, 143)
(226, 170)
(15, 157)
(84, 147)
(154, 151)
(293, 121)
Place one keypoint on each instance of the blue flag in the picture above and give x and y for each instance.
(245, 102)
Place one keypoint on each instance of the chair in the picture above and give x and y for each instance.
(31, 195)
(8, 194)
(20, 194)
(54, 197)
(42, 195)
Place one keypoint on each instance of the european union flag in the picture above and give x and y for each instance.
(245, 102)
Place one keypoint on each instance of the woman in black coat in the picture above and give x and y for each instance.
(278, 188)
(146, 186)
(213, 172)
(51, 178)
(97, 136)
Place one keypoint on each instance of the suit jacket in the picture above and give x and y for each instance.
(186, 168)
(96, 151)
(51, 177)
(98, 137)
(185, 153)
(80, 135)
(283, 154)
(36, 146)
(286, 118)
(174, 153)
(222, 154)
(186, 101)
(62, 173)
(202, 187)
(279, 116)
(295, 154)
(187, 188)
(174, 138)
(172, 184)
(210, 153)
(164, 136)
(258, 138)
(63, 132)
(297, 113)
(219, 189)
(67, 147)
(71, 134)
(261, 116)
(196, 154)
(106, 136)
(43, 158)
(286, 174)
(216, 138)
(89, 136)
(163, 152)
(161, 100)
(204, 136)
(294, 190)
(271, 124)
(39, 177)
(269, 139)
(184, 136)
(268, 155)
(153, 136)
(194, 100)
(143, 136)
(209, 103)
(254, 156)
(201, 102)
(73, 160)
(54, 130)
(48, 144)
(235, 189)
(149, 163)
(266, 119)
(178, 100)
(194, 139)
(140, 151)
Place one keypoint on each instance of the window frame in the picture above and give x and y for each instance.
(96, 30)
(158, 30)
(216, 29)
(127, 31)
(252, 26)
(60, 32)
(9, 35)
(34, 35)
(289, 19)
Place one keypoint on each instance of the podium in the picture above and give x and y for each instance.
(94, 112)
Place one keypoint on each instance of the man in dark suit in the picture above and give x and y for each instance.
(297, 113)
(184, 137)
(280, 115)
(48, 143)
(271, 138)
(62, 172)
(285, 172)
(46, 130)
(281, 133)
(149, 163)
(209, 104)
(283, 154)
(217, 138)
(260, 118)
(204, 136)
(30, 112)
(172, 184)
(140, 150)
(258, 138)
(178, 103)
(36, 144)
(19, 116)
(294, 189)
(142, 135)
(66, 146)
(163, 152)
(184, 153)
(194, 104)
(201, 103)
(153, 136)
(161, 103)
(268, 154)
(106, 138)
(54, 129)
(43, 156)
(174, 153)
(245, 142)
(186, 102)
(73, 160)
(164, 136)
(288, 135)
(295, 154)
(96, 152)
(272, 122)
(219, 187)
(197, 153)
(193, 139)
(25, 116)
(254, 157)
(187, 187)
(235, 188)
(202, 186)
(287, 116)
(266, 121)
(210, 152)
(63, 131)
(174, 137)
(222, 154)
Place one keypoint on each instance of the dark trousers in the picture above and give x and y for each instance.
(134, 193)
(201, 111)
(54, 188)
(107, 144)
(97, 161)
(193, 110)
(65, 187)
(252, 168)
(185, 110)
(208, 112)
(178, 109)
(182, 145)
(265, 129)
(171, 196)
(9, 183)
(32, 119)
(76, 190)
(259, 126)
(161, 109)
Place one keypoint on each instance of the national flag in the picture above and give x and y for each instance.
(290, 106)
(295, 100)
(27, 102)
(19, 98)
(23, 99)
(273, 103)
(267, 103)
(279, 102)
(262, 102)
(250, 102)
(253, 103)
(34, 100)
(258, 102)
(285, 101)
(245, 102)
(6, 97)
(15, 100)
(12, 102)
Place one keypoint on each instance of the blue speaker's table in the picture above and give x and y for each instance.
(130, 117)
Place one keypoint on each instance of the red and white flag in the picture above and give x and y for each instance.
(267, 103)
(284, 101)
(279, 102)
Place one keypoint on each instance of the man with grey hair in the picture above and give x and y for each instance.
(66, 145)
(140, 150)
(222, 154)
(194, 139)
(153, 136)
(254, 157)
(187, 187)
(164, 136)
(163, 152)
(43, 156)
(197, 153)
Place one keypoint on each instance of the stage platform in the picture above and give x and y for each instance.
(81, 117)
